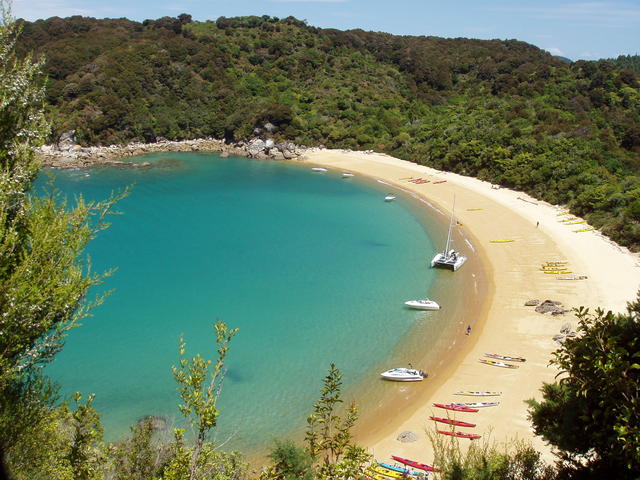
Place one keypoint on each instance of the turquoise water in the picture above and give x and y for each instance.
(310, 267)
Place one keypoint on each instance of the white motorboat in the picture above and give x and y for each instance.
(423, 304)
(319, 169)
(389, 198)
(402, 374)
(347, 175)
(449, 258)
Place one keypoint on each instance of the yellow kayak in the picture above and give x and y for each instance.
(584, 230)
(501, 241)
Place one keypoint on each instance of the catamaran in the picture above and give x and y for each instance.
(449, 258)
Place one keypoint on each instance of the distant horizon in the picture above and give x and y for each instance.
(574, 30)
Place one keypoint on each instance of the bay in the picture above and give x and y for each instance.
(311, 268)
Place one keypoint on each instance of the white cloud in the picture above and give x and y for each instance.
(555, 51)
(37, 9)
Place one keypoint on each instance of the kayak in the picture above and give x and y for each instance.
(456, 407)
(478, 404)
(403, 469)
(414, 464)
(505, 357)
(470, 436)
(497, 364)
(379, 470)
(458, 423)
(479, 394)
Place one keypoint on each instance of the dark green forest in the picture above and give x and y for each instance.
(501, 110)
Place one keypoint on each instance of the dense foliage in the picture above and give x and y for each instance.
(591, 414)
(628, 62)
(44, 280)
(504, 111)
(329, 452)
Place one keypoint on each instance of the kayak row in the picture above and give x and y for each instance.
(407, 469)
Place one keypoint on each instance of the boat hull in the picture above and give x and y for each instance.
(414, 464)
(449, 421)
(470, 436)
(403, 375)
(456, 407)
(479, 394)
(422, 305)
(448, 262)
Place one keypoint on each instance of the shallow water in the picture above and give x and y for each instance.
(311, 268)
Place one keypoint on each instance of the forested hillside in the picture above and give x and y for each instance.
(504, 111)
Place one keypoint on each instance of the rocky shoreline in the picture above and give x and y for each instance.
(68, 155)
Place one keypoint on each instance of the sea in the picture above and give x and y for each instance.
(311, 268)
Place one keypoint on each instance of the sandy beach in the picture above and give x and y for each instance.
(506, 326)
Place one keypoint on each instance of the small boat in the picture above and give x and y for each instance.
(502, 241)
(414, 464)
(424, 304)
(456, 407)
(470, 436)
(449, 258)
(575, 277)
(584, 230)
(505, 357)
(319, 169)
(389, 197)
(497, 364)
(556, 272)
(479, 394)
(450, 421)
(439, 181)
(404, 470)
(347, 175)
(402, 374)
(478, 404)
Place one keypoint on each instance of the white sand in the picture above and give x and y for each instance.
(509, 328)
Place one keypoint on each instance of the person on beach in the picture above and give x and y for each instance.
(468, 329)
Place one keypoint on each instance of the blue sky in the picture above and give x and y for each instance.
(577, 30)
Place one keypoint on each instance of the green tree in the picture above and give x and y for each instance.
(290, 462)
(328, 435)
(43, 277)
(137, 457)
(200, 387)
(484, 460)
(591, 413)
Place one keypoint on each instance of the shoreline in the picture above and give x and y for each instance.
(506, 326)
(69, 155)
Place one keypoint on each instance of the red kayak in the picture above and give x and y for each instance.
(470, 436)
(455, 406)
(411, 463)
(458, 423)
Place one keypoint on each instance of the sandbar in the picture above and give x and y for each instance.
(537, 235)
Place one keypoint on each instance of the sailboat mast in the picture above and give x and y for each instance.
(446, 248)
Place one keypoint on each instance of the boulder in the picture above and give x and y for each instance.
(255, 146)
(531, 303)
(67, 140)
(407, 437)
(549, 306)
